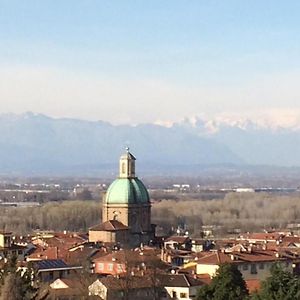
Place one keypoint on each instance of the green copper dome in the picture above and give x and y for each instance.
(127, 191)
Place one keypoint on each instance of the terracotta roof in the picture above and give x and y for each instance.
(71, 282)
(291, 239)
(163, 280)
(112, 225)
(258, 256)
(135, 282)
(75, 289)
(205, 278)
(129, 255)
(81, 254)
(179, 280)
(216, 258)
(253, 285)
(178, 239)
(263, 236)
(60, 240)
(40, 253)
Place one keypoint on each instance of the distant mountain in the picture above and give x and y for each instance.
(35, 144)
(256, 143)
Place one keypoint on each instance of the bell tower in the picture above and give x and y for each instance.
(127, 165)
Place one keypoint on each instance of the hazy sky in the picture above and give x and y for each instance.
(139, 61)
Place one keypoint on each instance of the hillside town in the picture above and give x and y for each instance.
(122, 257)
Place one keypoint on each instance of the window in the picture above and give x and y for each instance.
(253, 269)
(174, 295)
(261, 266)
(120, 268)
(163, 294)
(101, 266)
(20, 252)
(183, 295)
(110, 267)
(245, 267)
(51, 275)
(120, 294)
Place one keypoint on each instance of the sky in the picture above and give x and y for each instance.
(150, 61)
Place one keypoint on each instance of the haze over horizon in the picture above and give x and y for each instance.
(137, 62)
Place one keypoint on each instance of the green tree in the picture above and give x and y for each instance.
(17, 283)
(281, 285)
(85, 195)
(227, 284)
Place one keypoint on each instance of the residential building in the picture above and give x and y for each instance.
(8, 248)
(252, 264)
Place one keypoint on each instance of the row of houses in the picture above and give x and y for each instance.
(253, 253)
(69, 265)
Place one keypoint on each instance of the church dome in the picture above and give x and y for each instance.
(127, 191)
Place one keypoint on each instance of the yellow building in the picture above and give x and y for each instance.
(252, 264)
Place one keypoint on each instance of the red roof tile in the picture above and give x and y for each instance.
(111, 225)
(216, 258)
(253, 285)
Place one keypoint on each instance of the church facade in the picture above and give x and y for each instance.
(126, 210)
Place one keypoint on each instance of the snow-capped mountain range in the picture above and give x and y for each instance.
(37, 143)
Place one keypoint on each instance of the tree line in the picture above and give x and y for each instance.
(246, 211)
(57, 216)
